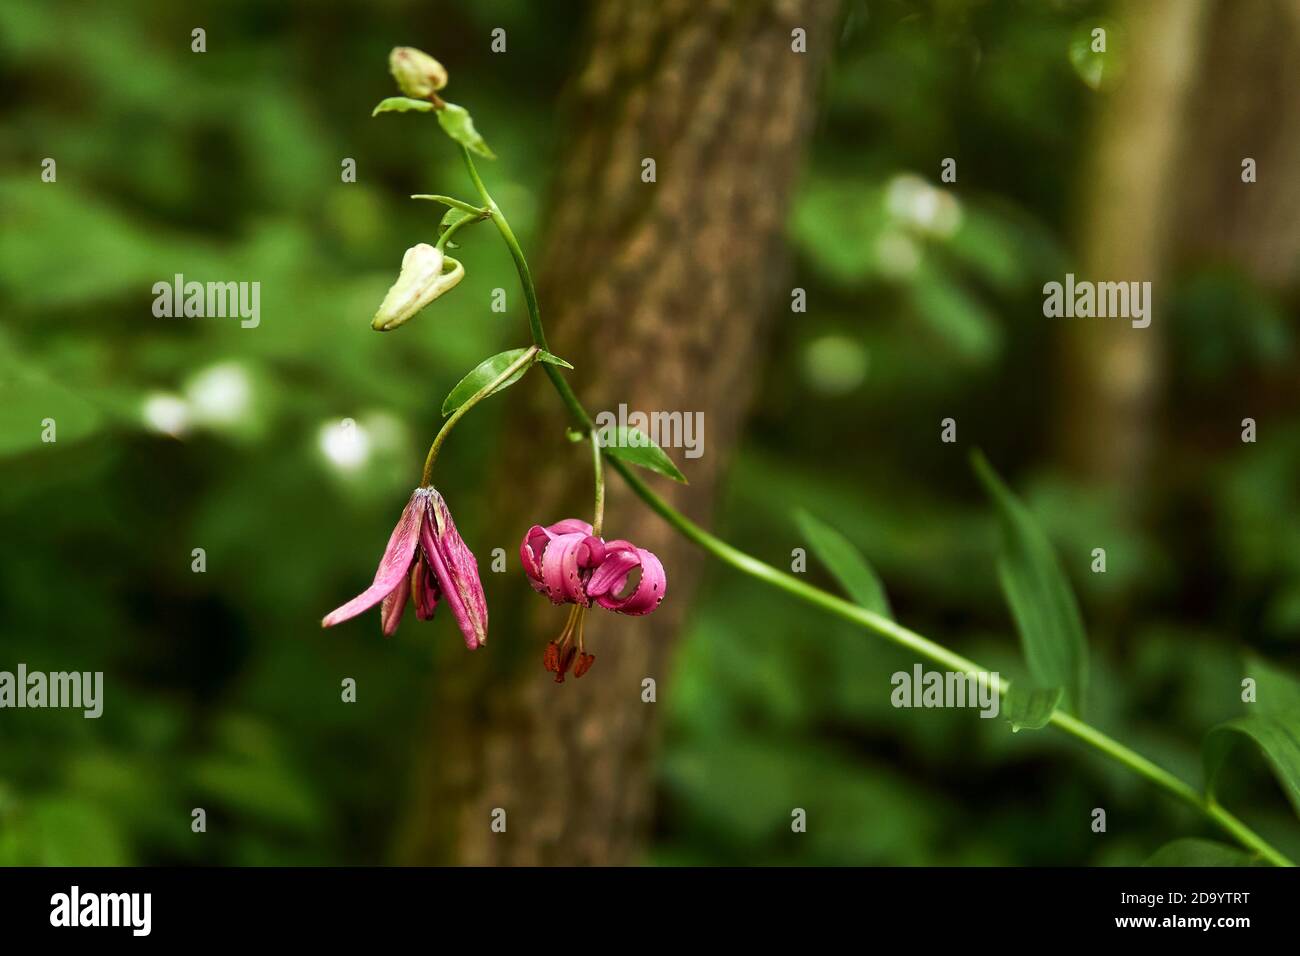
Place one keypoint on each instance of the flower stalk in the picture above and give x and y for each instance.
(598, 510)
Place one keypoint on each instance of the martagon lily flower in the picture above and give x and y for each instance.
(425, 560)
(570, 565)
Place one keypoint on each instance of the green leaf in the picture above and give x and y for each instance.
(456, 121)
(846, 563)
(1030, 708)
(1191, 851)
(33, 407)
(1277, 693)
(70, 831)
(550, 359)
(482, 374)
(436, 197)
(1041, 601)
(401, 104)
(1277, 737)
(956, 314)
(635, 447)
(449, 219)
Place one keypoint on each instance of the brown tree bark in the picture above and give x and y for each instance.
(1112, 371)
(1248, 105)
(658, 293)
(1211, 82)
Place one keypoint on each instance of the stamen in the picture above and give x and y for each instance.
(560, 652)
(582, 626)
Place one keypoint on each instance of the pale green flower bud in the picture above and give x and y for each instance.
(418, 75)
(426, 274)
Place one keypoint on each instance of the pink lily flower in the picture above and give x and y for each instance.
(560, 558)
(570, 565)
(425, 560)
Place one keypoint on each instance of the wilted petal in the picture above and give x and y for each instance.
(390, 612)
(456, 570)
(424, 588)
(611, 577)
(393, 567)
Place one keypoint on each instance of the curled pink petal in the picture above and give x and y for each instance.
(592, 552)
(613, 571)
(533, 547)
(649, 591)
(569, 526)
(393, 567)
(531, 550)
(562, 564)
(456, 571)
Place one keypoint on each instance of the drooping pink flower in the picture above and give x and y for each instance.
(425, 560)
(559, 559)
(570, 565)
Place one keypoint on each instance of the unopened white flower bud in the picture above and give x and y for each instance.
(418, 75)
(426, 274)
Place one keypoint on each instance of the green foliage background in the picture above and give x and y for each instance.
(223, 692)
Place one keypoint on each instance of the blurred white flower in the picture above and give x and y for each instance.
(220, 394)
(912, 201)
(166, 413)
(345, 444)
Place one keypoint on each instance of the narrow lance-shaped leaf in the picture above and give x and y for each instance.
(1277, 693)
(489, 369)
(1277, 738)
(1029, 707)
(846, 563)
(35, 409)
(1192, 851)
(1041, 601)
(636, 448)
(550, 359)
(401, 104)
(457, 123)
(1273, 725)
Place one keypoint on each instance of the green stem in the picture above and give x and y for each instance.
(598, 517)
(881, 626)
(519, 364)
(456, 227)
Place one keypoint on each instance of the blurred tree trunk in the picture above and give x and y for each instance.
(1111, 370)
(657, 292)
(1209, 84)
(1248, 95)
